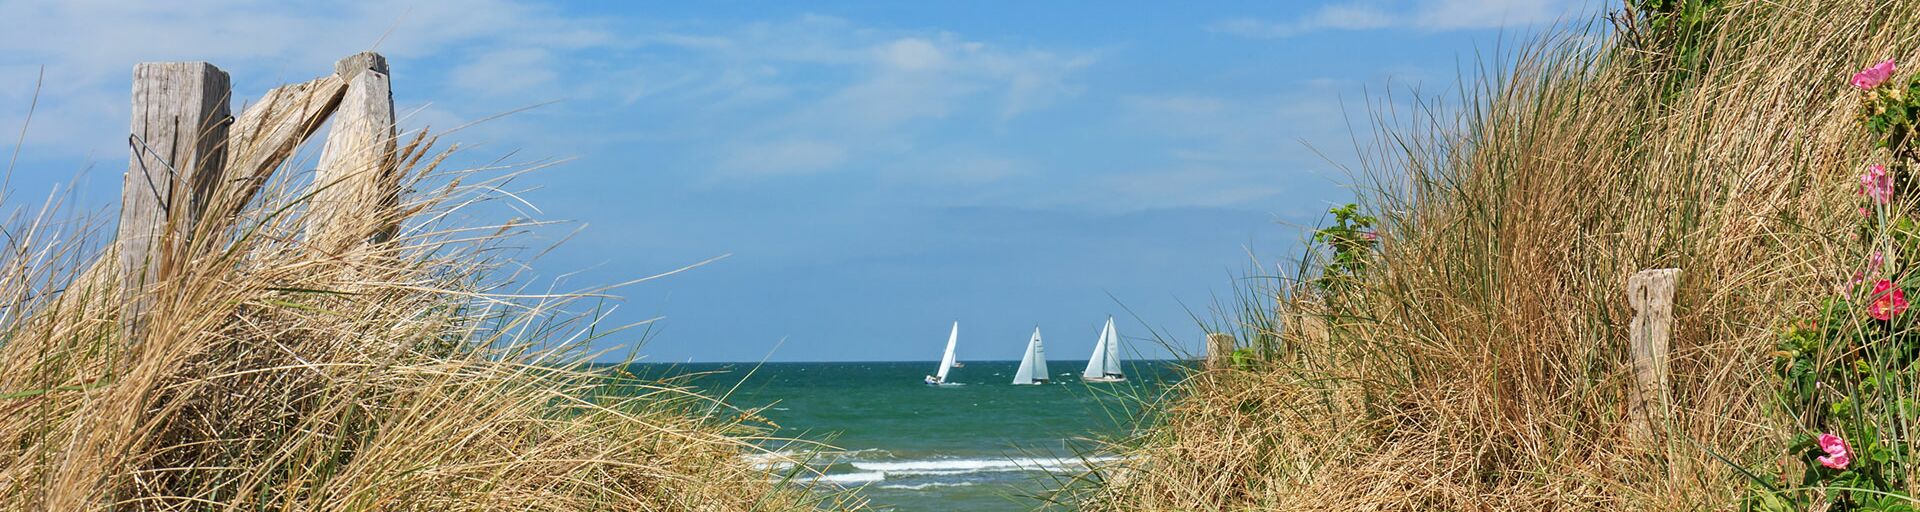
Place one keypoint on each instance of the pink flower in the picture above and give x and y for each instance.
(1872, 77)
(1877, 184)
(1875, 261)
(1887, 301)
(1369, 236)
(1838, 453)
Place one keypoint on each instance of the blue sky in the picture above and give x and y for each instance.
(876, 170)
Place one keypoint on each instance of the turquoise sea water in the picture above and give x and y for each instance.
(984, 446)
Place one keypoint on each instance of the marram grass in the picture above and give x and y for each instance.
(1478, 360)
(398, 376)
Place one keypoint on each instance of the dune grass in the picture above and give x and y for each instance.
(411, 374)
(1476, 357)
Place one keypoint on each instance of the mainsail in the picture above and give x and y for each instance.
(1113, 350)
(1104, 365)
(1033, 366)
(946, 361)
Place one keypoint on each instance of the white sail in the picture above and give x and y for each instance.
(946, 361)
(1097, 364)
(1104, 365)
(1033, 366)
(1113, 349)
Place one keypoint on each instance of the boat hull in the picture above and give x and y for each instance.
(1104, 379)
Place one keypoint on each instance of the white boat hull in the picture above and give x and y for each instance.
(1111, 378)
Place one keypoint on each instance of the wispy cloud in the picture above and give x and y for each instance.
(809, 94)
(88, 47)
(1436, 15)
(898, 83)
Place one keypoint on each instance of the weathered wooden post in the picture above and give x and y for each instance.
(357, 185)
(1220, 347)
(1649, 402)
(269, 132)
(178, 135)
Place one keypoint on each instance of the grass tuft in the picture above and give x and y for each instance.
(1478, 360)
(397, 375)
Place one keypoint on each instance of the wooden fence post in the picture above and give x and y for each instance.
(268, 132)
(1220, 347)
(1650, 293)
(178, 135)
(357, 186)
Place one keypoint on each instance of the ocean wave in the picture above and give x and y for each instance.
(916, 487)
(771, 461)
(844, 479)
(787, 459)
(965, 466)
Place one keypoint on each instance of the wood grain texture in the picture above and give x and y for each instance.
(357, 187)
(1220, 351)
(267, 133)
(178, 136)
(1650, 293)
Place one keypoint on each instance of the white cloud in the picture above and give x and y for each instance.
(1432, 15)
(898, 85)
(88, 48)
(811, 94)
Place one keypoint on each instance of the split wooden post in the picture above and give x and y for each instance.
(357, 187)
(1220, 347)
(1650, 402)
(267, 134)
(178, 138)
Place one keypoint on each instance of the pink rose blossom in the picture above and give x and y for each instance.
(1877, 184)
(1838, 453)
(1872, 77)
(1887, 301)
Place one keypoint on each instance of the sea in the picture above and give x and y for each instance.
(986, 445)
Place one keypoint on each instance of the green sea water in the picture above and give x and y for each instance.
(984, 446)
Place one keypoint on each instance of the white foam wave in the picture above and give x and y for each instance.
(845, 479)
(771, 461)
(964, 466)
(787, 459)
(916, 487)
(861, 453)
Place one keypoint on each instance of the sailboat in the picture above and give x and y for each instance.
(1104, 366)
(1033, 366)
(946, 361)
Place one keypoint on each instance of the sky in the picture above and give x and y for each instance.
(871, 171)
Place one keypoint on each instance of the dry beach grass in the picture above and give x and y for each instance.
(1478, 360)
(271, 374)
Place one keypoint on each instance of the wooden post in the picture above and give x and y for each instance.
(178, 134)
(1649, 402)
(357, 185)
(268, 133)
(1220, 347)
